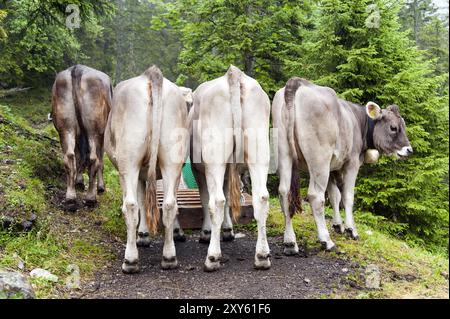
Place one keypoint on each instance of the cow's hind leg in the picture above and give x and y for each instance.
(178, 234)
(130, 210)
(334, 195)
(319, 172)
(260, 201)
(171, 178)
(143, 239)
(100, 180)
(227, 225)
(79, 182)
(68, 145)
(100, 152)
(214, 177)
(205, 234)
(93, 166)
(285, 171)
(316, 197)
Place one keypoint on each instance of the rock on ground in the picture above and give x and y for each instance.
(373, 277)
(43, 274)
(14, 285)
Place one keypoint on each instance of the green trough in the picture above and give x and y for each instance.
(188, 176)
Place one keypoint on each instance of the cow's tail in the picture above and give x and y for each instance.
(82, 141)
(234, 187)
(108, 98)
(295, 203)
(155, 83)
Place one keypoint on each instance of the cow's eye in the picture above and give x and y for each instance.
(393, 129)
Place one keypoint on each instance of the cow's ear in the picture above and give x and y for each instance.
(373, 111)
(394, 109)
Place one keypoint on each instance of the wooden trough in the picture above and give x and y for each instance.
(190, 207)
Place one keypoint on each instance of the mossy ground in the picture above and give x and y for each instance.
(407, 271)
(32, 182)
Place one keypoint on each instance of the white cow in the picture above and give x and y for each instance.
(146, 137)
(232, 103)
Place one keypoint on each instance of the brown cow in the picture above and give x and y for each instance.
(329, 138)
(81, 103)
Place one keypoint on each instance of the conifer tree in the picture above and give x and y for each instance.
(258, 36)
(357, 48)
(429, 29)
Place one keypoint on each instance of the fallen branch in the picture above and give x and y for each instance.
(12, 91)
(29, 134)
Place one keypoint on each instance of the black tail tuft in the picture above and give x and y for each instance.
(294, 196)
(83, 147)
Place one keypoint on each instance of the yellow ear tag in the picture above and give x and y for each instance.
(371, 156)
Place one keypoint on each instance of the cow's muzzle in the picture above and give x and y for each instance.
(405, 151)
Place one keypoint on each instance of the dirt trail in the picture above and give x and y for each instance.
(289, 277)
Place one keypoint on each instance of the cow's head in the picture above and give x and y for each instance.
(188, 97)
(389, 133)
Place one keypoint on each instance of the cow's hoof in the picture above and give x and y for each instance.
(328, 246)
(80, 186)
(169, 263)
(178, 235)
(100, 189)
(71, 205)
(130, 267)
(205, 237)
(89, 202)
(212, 264)
(143, 239)
(228, 235)
(262, 262)
(290, 249)
(350, 232)
(338, 228)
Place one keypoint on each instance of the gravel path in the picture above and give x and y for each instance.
(289, 277)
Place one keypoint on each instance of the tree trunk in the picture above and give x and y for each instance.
(249, 63)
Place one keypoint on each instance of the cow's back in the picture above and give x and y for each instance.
(212, 109)
(86, 91)
(63, 109)
(95, 98)
(253, 96)
(211, 100)
(321, 120)
(128, 125)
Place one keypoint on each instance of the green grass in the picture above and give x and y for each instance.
(33, 183)
(110, 206)
(393, 256)
(33, 105)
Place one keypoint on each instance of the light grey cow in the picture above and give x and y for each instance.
(147, 138)
(328, 137)
(230, 131)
